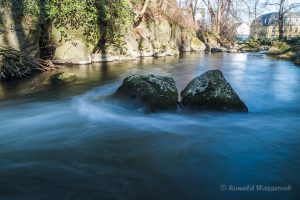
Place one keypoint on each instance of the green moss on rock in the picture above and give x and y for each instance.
(197, 45)
(63, 78)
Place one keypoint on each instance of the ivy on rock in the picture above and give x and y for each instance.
(114, 17)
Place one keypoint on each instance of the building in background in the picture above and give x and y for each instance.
(266, 26)
(242, 31)
(200, 15)
(200, 18)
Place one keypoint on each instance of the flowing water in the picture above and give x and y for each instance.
(72, 143)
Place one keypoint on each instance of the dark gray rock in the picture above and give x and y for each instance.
(211, 91)
(154, 93)
(216, 50)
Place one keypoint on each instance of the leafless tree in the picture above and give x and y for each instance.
(254, 9)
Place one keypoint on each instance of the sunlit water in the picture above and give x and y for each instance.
(72, 143)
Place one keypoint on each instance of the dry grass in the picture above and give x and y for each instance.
(174, 14)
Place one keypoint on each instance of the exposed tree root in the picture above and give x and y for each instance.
(16, 64)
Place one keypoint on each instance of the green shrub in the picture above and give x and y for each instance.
(24, 7)
(281, 46)
(265, 41)
(253, 43)
(117, 17)
(70, 14)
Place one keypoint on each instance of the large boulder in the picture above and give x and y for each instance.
(211, 91)
(74, 50)
(154, 93)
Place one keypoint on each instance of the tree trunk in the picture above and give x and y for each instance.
(281, 19)
(219, 16)
(139, 15)
(192, 8)
(212, 16)
(193, 4)
(255, 18)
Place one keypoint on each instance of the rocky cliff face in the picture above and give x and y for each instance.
(158, 36)
(18, 29)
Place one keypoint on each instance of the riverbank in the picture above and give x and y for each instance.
(286, 51)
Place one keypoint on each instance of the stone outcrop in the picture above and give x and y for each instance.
(76, 50)
(156, 38)
(211, 91)
(154, 93)
(197, 45)
(17, 31)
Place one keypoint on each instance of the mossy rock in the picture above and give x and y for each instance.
(75, 49)
(251, 46)
(154, 93)
(197, 45)
(250, 49)
(211, 91)
(274, 51)
(63, 78)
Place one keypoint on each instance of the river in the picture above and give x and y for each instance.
(71, 143)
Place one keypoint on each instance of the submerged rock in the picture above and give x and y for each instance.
(154, 93)
(216, 50)
(63, 78)
(211, 91)
(250, 49)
